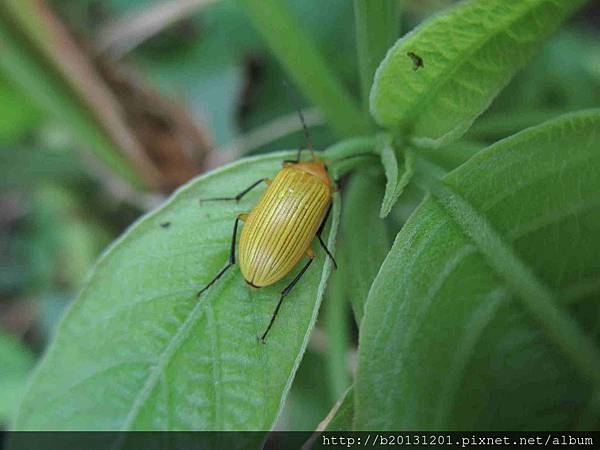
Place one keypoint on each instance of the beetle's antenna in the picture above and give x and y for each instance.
(305, 128)
(294, 99)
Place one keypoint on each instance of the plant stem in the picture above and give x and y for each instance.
(305, 65)
(338, 336)
(351, 147)
(377, 28)
(351, 153)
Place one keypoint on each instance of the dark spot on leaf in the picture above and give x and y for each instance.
(416, 59)
(165, 224)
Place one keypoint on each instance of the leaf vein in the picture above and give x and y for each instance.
(164, 359)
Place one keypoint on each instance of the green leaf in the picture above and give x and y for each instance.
(159, 358)
(560, 79)
(305, 65)
(398, 174)
(469, 54)
(364, 240)
(485, 313)
(16, 363)
(377, 28)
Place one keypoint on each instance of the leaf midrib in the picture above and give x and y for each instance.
(538, 300)
(158, 369)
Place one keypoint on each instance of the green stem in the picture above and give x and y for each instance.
(351, 147)
(305, 65)
(377, 28)
(350, 154)
(338, 337)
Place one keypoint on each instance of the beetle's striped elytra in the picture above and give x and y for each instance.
(281, 227)
(279, 230)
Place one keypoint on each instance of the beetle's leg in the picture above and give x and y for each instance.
(231, 261)
(286, 291)
(319, 231)
(328, 252)
(238, 197)
(336, 186)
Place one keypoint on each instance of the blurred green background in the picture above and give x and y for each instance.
(190, 86)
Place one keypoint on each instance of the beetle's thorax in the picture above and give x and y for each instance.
(316, 168)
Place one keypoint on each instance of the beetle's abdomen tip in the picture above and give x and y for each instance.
(252, 284)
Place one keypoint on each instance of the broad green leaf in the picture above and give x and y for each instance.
(138, 351)
(15, 364)
(364, 240)
(484, 315)
(398, 174)
(560, 79)
(469, 53)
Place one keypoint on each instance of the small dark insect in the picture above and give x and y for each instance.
(165, 224)
(416, 59)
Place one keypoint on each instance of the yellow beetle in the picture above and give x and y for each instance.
(280, 228)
